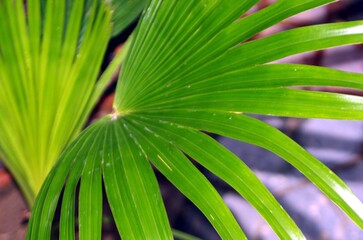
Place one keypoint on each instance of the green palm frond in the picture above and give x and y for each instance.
(124, 12)
(191, 70)
(50, 59)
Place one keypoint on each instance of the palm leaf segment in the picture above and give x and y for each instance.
(187, 71)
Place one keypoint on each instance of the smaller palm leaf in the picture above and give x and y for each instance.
(47, 79)
(50, 58)
(189, 70)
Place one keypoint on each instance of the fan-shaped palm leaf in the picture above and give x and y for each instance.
(188, 70)
(50, 58)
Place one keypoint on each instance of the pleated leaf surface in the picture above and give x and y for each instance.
(190, 70)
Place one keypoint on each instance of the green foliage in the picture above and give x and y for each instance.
(189, 70)
(124, 12)
(50, 58)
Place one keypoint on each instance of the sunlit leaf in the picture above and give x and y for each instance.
(187, 178)
(189, 69)
(228, 167)
(250, 130)
(271, 101)
(48, 74)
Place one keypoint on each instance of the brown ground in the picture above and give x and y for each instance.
(13, 210)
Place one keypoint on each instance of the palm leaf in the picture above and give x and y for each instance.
(138, 188)
(190, 69)
(130, 185)
(284, 44)
(269, 76)
(187, 178)
(50, 58)
(253, 131)
(124, 13)
(228, 167)
(273, 101)
(41, 94)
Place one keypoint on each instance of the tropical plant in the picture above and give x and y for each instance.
(191, 70)
(50, 59)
